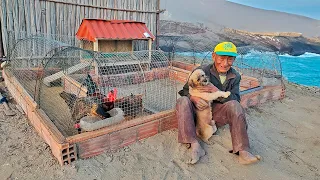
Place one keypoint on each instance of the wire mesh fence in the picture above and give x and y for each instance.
(70, 83)
(14, 38)
(252, 61)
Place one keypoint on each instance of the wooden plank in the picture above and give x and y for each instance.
(47, 22)
(109, 14)
(43, 17)
(65, 20)
(73, 20)
(78, 19)
(57, 23)
(37, 15)
(99, 10)
(70, 17)
(58, 75)
(120, 13)
(32, 9)
(89, 8)
(16, 19)
(82, 13)
(106, 11)
(95, 10)
(86, 10)
(4, 27)
(22, 19)
(61, 20)
(114, 11)
(22, 30)
(53, 17)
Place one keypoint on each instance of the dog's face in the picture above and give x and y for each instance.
(198, 78)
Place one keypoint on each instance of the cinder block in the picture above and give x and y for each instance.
(36, 122)
(68, 155)
(168, 123)
(46, 135)
(101, 143)
(128, 136)
(148, 129)
(23, 104)
(115, 140)
(123, 138)
(90, 154)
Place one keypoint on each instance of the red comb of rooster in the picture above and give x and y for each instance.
(112, 95)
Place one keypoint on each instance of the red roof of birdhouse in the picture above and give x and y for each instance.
(92, 29)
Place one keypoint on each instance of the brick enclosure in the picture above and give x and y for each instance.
(89, 144)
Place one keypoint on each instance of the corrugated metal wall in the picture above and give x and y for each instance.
(63, 17)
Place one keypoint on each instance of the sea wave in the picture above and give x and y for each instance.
(305, 55)
(249, 54)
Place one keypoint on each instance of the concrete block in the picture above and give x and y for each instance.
(148, 129)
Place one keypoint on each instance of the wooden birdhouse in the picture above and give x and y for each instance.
(112, 35)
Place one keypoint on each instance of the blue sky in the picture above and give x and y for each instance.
(309, 8)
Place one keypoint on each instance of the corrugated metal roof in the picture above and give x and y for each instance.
(92, 29)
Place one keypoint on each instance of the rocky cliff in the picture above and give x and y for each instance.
(292, 43)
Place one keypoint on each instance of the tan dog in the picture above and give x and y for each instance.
(205, 126)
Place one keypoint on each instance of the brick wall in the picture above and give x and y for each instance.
(118, 136)
(63, 151)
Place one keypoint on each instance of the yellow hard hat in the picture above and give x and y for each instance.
(226, 49)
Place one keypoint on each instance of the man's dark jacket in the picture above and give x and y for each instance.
(231, 84)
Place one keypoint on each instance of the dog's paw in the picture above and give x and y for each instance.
(214, 127)
(212, 122)
(226, 94)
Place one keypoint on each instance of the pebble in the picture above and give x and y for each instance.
(109, 158)
(127, 149)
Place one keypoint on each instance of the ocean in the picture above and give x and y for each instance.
(304, 69)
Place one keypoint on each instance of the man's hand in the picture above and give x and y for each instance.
(208, 89)
(199, 103)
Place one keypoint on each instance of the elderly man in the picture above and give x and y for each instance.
(224, 111)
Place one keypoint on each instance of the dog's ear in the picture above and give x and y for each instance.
(190, 82)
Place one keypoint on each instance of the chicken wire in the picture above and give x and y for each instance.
(252, 61)
(69, 83)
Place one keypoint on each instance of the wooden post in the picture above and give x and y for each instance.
(150, 47)
(96, 45)
(1, 43)
(96, 48)
(157, 24)
(132, 45)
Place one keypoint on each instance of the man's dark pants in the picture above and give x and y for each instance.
(230, 113)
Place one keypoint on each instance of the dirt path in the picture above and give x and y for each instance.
(285, 133)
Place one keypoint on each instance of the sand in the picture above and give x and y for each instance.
(285, 133)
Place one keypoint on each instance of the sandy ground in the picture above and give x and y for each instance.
(285, 133)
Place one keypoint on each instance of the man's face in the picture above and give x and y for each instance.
(222, 63)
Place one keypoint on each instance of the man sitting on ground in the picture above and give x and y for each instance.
(224, 110)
